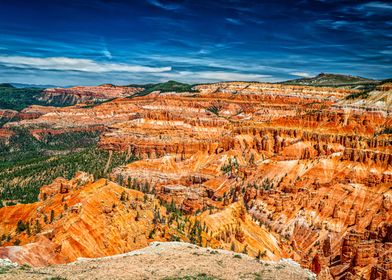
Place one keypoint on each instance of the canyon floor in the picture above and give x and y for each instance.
(168, 260)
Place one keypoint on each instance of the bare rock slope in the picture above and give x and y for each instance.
(166, 260)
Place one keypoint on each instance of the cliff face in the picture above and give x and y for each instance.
(272, 170)
(66, 97)
(85, 94)
(6, 116)
(74, 219)
(378, 99)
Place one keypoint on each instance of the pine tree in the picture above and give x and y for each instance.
(28, 229)
(123, 196)
(37, 228)
(21, 226)
(51, 216)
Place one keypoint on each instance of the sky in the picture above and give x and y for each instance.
(86, 42)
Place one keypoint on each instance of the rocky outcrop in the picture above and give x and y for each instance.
(63, 186)
(94, 220)
(275, 90)
(6, 114)
(75, 95)
(166, 260)
(379, 99)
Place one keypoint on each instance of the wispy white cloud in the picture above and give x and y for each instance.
(301, 74)
(369, 9)
(107, 53)
(75, 64)
(211, 48)
(377, 5)
(234, 21)
(165, 6)
(231, 76)
(212, 76)
(386, 52)
(234, 65)
(336, 24)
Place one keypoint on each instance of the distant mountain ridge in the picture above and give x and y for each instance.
(20, 85)
(334, 80)
(6, 85)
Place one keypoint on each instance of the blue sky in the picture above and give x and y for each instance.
(84, 42)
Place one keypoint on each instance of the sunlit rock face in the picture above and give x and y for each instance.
(76, 218)
(85, 218)
(291, 171)
(86, 94)
(378, 99)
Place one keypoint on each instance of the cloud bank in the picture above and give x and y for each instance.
(75, 64)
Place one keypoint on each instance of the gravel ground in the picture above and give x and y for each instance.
(164, 260)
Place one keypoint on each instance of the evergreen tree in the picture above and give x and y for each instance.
(51, 216)
(21, 226)
(37, 228)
